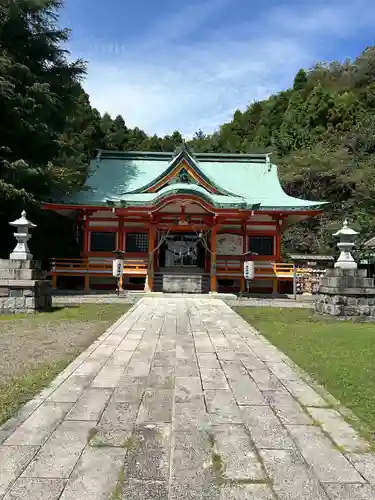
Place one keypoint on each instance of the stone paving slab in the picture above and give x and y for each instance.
(287, 408)
(291, 477)
(90, 405)
(245, 390)
(58, 457)
(265, 428)
(144, 490)
(36, 429)
(148, 457)
(339, 430)
(130, 389)
(238, 456)
(365, 464)
(31, 488)
(328, 463)
(305, 394)
(96, 475)
(181, 399)
(350, 491)
(13, 459)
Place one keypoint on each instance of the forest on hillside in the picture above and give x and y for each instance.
(320, 132)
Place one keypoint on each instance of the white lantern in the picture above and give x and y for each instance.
(346, 245)
(248, 270)
(117, 268)
(23, 226)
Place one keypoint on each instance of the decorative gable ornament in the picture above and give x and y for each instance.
(183, 176)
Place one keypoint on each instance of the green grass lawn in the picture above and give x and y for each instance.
(81, 312)
(339, 355)
(36, 347)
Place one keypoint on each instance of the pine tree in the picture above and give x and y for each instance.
(37, 86)
(300, 80)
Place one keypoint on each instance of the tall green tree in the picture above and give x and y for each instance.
(300, 80)
(38, 90)
(321, 132)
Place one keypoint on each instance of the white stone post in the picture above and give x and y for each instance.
(23, 226)
(346, 245)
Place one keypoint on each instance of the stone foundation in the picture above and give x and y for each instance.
(23, 287)
(182, 284)
(347, 294)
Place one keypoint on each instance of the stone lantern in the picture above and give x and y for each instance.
(21, 251)
(346, 291)
(346, 245)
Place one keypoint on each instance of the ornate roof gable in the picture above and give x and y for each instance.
(183, 169)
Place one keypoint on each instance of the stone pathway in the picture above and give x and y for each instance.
(305, 302)
(181, 400)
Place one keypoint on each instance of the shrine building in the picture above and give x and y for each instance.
(185, 221)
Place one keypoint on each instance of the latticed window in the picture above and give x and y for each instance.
(261, 245)
(103, 241)
(136, 242)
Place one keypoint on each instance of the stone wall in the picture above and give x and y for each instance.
(346, 306)
(348, 294)
(23, 287)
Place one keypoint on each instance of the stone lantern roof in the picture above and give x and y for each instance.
(23, 225)
(345, 230)
(22, 222)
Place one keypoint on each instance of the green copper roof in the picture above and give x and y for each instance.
(179, 188)
(240, 180)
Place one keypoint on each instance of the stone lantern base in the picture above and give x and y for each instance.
(23, 287)
(348, 294)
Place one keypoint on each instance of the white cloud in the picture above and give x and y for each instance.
(162, 83)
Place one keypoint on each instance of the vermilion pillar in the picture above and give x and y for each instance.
(151, 248)
(85, 236)
(213, 278)
(277, 255)
(120, 241)
(244, 246)
(278, 245)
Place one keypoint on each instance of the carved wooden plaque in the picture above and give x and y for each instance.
(229, 244)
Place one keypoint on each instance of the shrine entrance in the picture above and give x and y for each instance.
(182, 250)
(182, 263)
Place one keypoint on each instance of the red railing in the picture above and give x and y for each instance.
(89, 266)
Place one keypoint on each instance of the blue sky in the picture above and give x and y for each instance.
(188, 65)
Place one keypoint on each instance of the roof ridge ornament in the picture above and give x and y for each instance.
(181, 148)
(268, 162)
(98, 157)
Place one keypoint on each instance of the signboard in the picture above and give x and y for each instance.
(248, 270)
(229, 244)
(117, 268)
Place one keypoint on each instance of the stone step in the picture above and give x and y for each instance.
(181, 283)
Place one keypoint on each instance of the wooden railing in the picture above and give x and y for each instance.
(138, 267)
(283, 270)
(89, 266)
(229, 267)
(263, 270)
